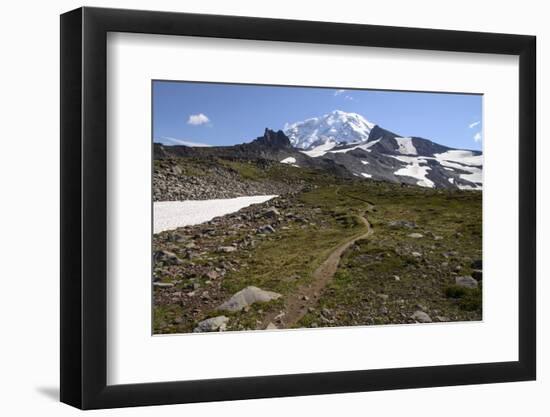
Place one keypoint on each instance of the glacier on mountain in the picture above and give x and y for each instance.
(337, 127)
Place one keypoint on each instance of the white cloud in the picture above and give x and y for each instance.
(477, 137)
(349, 98)
(474, 124)
(173, 141)
(339, 92)
(198, 119)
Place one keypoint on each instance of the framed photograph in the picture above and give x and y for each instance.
(256, 208)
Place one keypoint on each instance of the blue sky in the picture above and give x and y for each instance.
(226, 114)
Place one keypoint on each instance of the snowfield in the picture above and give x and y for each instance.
(289, 160)
(169, 215)
(406, 146)
(326, 148)
(320, 150)
(415, 170)
(463, 157)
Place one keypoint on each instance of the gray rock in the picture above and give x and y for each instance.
(213, 324)
(212, 274)
(266, 229)
(326, 312)
(166, 257)
(402, 224)
(466, 282)
(477, 264)
(176, 170)
(477, 274)
(163, 284)
(421, 317)
(247, 297)
(271, 326)
(416, 235)
(227, 249)
(272, 213)
(416, 254)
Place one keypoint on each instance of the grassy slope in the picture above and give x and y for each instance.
(365, 290)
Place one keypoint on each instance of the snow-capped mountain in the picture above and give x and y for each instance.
(369, 151)
(328, 131)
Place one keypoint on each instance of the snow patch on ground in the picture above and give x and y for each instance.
(320, 150)
(364, 146)
(463, 157)
(406, 146)
(364, 162)
(468, 187)
(289, 160)
(169, 215)
(474, 175)
(364, 174)
(415, 164)
(415, 169)
(326, 147)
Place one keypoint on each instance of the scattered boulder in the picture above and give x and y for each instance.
(167, 258)
(272, 213)
(421, 317)
(163, 284)
(247, 297)
(477, 264)
(227, 249)
(402, 224)
(416, 254)
(416, 235)
(466, 282)
(477, 274)
(213, 324)
(176, 170)
(212, 275)
(266, 229)
(271, 326)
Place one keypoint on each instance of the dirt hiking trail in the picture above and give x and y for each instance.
(306, 296)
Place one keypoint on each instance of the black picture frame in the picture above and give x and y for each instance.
(84, 207)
